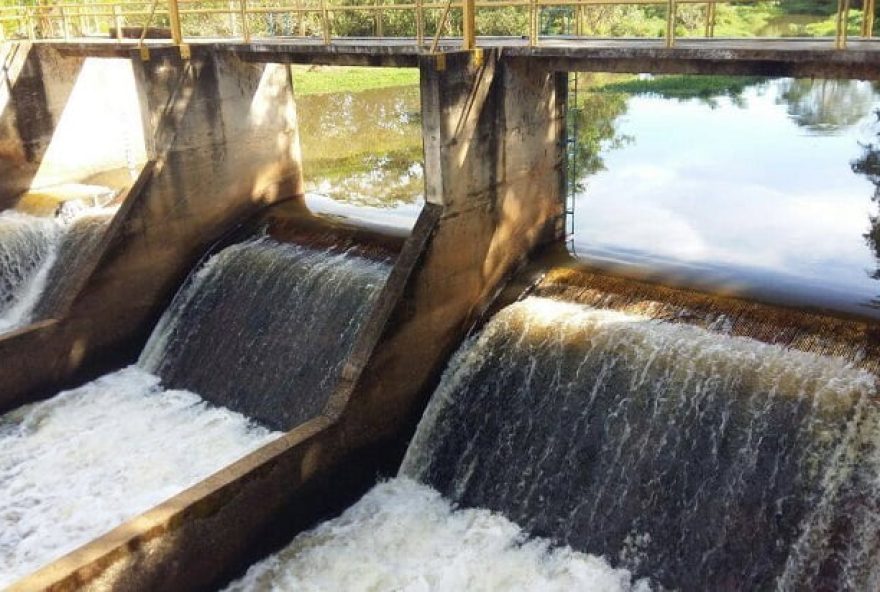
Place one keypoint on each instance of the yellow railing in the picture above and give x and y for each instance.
(316, 18)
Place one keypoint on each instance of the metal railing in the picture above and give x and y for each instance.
(318, 18)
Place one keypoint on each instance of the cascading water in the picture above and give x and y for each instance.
(262, 318)
(38, 259)
(704, 461)
(699, 460)
(28, 248)
(264, 328)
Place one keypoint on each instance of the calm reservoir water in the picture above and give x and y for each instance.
(362, 155)
(767, 190)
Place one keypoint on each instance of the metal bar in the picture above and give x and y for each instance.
(117, 22)
(301, 17)
(420, 24)
(245, 26)
(65, 27)
(468, 25)
(670, 23)
(31, 33)
(380, 32)
(533, 23)
(174, 20)
(325, 22)
(868, 13)
(441, 24)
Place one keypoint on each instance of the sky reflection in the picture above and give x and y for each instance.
(755, 192)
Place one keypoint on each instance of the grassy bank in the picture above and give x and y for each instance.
(318, 80)
(681, 87)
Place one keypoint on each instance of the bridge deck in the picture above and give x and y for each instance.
(771, 57)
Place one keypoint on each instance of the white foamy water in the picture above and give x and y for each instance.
(404, 536)
(77, 465)
(28, 249)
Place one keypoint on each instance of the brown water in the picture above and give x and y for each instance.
(363, 148)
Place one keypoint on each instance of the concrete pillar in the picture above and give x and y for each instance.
(494, 134)
(66, 118)
(223, 136)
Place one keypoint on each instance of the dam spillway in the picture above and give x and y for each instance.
(695, 460)
(265, 328)
(701, 420)
(105, 440)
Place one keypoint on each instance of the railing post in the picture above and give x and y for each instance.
(301, 18)
(710, 19)
(842, 17)
(245, 27)
(533, 23)
(234, 11)
(670, 23)
(174, 20)
(29, 22)
(380, 30)
(65, 31)
(468, 25)
(420, 24)
(83, 21)
(868, 10)
(117, 21)
(325, 22)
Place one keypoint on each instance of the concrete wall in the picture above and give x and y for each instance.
(66, 119)
(494, 135)
(222, 134)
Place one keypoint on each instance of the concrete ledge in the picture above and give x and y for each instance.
(760, 57)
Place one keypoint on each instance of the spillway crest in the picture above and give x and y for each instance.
(704, 461)
(264, 328)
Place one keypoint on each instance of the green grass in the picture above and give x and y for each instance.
(681, 87)
(312, 80)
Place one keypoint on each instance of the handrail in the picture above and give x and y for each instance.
(318, 17)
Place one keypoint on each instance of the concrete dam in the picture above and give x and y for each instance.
(211, 380)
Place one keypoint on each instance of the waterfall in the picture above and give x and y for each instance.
(265, 328)
(701, 460)
(28, 248)
(39, 259)
(257, 337)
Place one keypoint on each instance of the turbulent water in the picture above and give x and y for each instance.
(265, 328)
(404, 536)
(79, 464)
(38, 258)
(28, 249)
(704, 461)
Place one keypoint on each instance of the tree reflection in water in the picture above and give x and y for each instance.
(363, 148)
(868, 164)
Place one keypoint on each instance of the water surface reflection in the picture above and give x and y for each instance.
(768, 192)
(364, 150)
